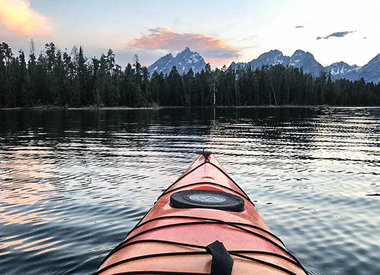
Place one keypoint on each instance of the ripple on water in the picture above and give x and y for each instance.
(70, 191)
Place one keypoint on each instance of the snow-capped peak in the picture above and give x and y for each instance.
(183, 61)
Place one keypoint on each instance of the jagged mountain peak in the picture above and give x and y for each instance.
(185, 52)
(299, 52)
(188, 54)
(305, 60)
(341, 64)
(168, 55)
(183, 61)
(272, 57)
(273, 52)
(341, 68)
(302, 54)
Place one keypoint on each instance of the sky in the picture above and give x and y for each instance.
(221, 31)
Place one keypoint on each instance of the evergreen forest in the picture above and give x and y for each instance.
(63, 79)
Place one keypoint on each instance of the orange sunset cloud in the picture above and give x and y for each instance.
(18, 16)
(213, 48)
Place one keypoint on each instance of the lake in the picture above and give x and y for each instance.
(73, 183)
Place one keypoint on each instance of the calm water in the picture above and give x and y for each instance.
(72, 184)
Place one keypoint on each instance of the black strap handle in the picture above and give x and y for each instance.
(222, 261)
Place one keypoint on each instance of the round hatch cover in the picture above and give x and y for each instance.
(207, 199)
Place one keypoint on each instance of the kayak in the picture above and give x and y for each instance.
(203, 223)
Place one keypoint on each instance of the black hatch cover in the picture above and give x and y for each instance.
(207, 199)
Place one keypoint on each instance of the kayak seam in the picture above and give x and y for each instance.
(169, 254)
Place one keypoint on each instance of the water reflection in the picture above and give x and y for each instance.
(72, 183)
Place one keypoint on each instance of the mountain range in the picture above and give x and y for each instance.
(305, 60)
(300, 59)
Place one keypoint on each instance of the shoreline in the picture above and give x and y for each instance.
(123, 108)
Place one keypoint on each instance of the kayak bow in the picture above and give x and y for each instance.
(204, 223)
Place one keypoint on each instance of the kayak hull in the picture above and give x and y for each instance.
(175, 240)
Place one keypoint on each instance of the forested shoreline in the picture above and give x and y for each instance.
(69, 79)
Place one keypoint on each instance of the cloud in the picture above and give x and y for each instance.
(247, 38)
(19, 17)
(335, 34)
(212, 48)
(299, 27)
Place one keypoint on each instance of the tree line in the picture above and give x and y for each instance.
(70, 79)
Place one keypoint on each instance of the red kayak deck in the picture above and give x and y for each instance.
(175, 240)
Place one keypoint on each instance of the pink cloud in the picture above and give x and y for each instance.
(215, 50)
(19, 17)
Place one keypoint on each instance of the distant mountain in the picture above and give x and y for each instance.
(270, 58)
(342, 70)
(299, 59)
(239, 65)
(306, 61)
(184, 61)
(162, 64)
(370, 71)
